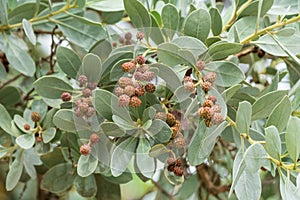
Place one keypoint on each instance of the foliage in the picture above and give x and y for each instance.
(196, 100)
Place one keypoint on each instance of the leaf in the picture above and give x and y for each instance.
(108, 190)
(269, 45)
(203, 142)
(48, 134)
(92, 67)
(41, 107)
(249, 186)
(280, 114)
(25, 141)
(86, 186)
(181, 94)
(253, 8)
(197, 24)
(124, 123)
(112, 129)
(170, 19)
(158, 150)
(138, 14)
(191, 44)
(117, 72)
(18, 58)
(25, 10)
(216, 21)
(59, 178)
(102, 49)
(264, 105)
(5, 120)
(106, 5)
(51, 87)
(244, 27)
(3, 12)
(243, 117)
(165, 72)
(112, 17)
(86, 165)
(15, 172)
(255, 157)
(66, 120)
(9, 96)
(171, 54)
(230, 92)
(273, 142)
(144, 162)
(287, 7)
(160, 131)
(111, 61)
(107, 104)
(292, 138)
(122, 155)
(156, 33)
(221, 50)
(82, 31)
(238, 169)
(228, 73)
(29, 31)
(68, 61)
(30, 160)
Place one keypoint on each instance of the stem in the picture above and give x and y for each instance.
(279, 163)
(36, 19)
(10, 81)
(237, 12)
(265, 30)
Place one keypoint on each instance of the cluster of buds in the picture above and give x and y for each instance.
(208, 81)
(200, 65)
(140, 35)
(188, 84)
(177, 139)
(210, 111)
(126, 40)
(175, 166)
(130, 88)
(84, 106)
(86, 149)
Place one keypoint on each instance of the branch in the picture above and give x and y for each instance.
(269, 28)
(36, 19)
(208, 183)
(10, 81)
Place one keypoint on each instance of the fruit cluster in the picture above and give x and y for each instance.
(126, 40)
(175, 166)
(210, 111)
(188, 84)
(138, 82)
(84, 106)
(86, 149)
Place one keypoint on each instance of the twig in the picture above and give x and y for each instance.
(207, 182)
(53, 50)
(10, 81)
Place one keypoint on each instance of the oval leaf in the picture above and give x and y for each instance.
(51, 87)
(197, 24)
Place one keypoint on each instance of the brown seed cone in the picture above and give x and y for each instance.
(171, 120)
(178, 171)
(135, 102)
(150, 88)
(35, 117)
